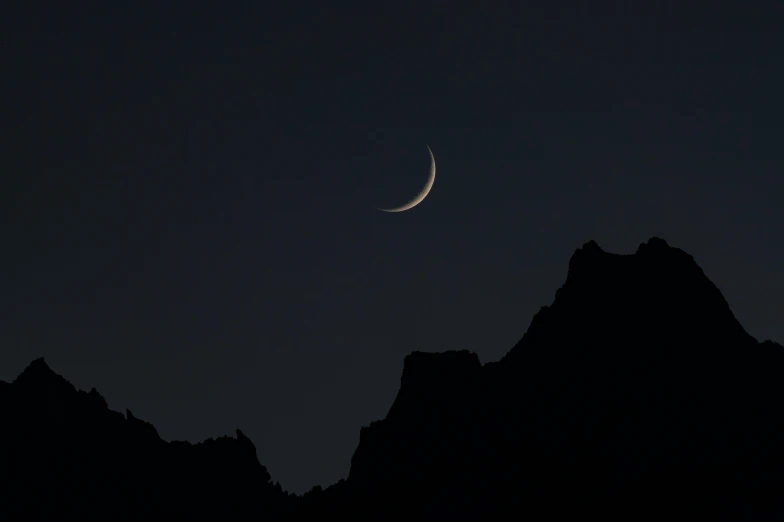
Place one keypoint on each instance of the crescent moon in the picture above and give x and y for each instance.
(422, 193)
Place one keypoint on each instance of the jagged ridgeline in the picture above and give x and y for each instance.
(65, 454)
(636, 395)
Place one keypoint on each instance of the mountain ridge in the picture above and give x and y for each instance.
(630, 343)
(636, 394)
(79, 458)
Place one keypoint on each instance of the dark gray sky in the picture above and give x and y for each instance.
(188, 192)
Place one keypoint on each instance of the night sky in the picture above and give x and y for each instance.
(188, 193)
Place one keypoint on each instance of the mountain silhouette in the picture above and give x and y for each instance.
(66, 455)
(635, 395)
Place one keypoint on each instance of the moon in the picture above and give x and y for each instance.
(416, 200)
